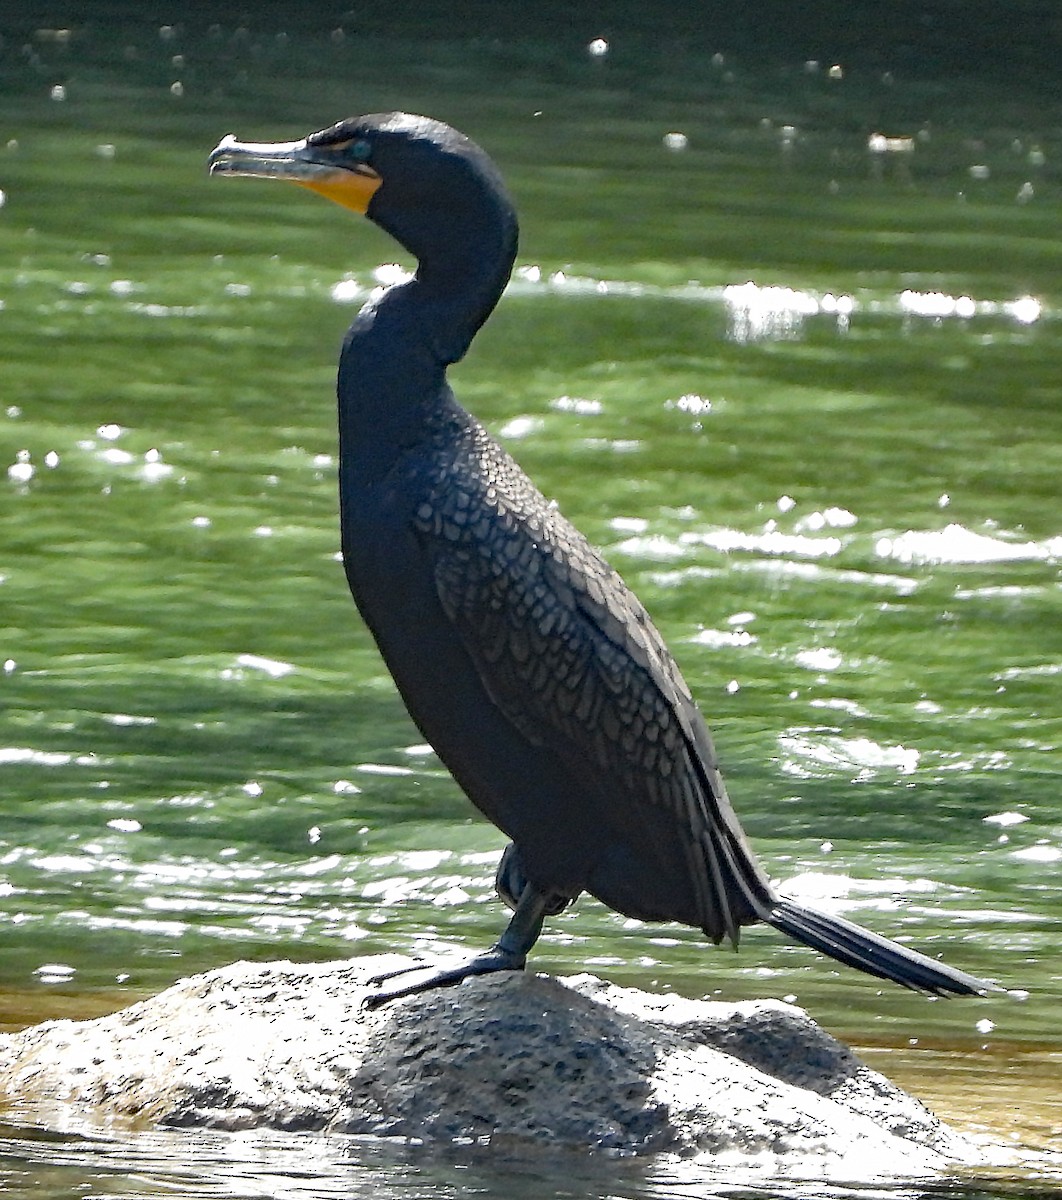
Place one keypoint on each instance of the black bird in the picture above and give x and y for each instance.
(524, 659)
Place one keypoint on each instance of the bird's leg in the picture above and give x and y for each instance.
(509, 952)
(510, 882)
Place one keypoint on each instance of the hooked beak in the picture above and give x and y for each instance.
(317, 167)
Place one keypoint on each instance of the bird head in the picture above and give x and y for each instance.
(433, 189)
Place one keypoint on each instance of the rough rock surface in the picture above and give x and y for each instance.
(576, 1063)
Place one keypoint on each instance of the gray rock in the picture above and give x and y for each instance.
(507, 1058)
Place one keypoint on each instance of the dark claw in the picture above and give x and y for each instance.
(385, 975)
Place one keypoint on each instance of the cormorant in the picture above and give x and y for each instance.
(522, 656)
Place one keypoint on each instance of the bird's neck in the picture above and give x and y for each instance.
(461, 273)
(392, 379)
(459, 282)
(392, 371)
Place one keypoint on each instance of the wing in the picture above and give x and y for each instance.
(570, 656)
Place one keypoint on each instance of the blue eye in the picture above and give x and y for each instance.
(361, 149)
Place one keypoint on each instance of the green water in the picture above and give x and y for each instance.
(837, 491)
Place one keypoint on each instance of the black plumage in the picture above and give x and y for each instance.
(527, 663)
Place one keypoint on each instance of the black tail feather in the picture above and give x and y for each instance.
(857, 947)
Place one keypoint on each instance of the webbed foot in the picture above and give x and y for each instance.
(509, 953)
(429, 977)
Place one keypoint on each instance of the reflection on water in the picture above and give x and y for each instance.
(74, 1157)
(783, 339)
(954, 544)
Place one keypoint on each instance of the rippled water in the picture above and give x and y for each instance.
(803, 391)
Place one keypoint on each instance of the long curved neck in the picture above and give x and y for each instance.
(392, 370)
(460, 283)
(390, 376)
(465, 253)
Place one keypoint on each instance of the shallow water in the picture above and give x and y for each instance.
(804, 395)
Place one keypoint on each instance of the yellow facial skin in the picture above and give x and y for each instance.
(352, 189)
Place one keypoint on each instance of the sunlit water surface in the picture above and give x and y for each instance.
(800, 385)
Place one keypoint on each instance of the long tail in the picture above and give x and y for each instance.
(857, 947)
